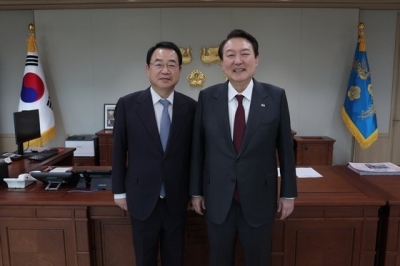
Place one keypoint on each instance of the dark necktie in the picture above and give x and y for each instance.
(239, 125)
(165, 125)
(239, 128)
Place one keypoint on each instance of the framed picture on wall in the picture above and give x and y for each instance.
(109, 116)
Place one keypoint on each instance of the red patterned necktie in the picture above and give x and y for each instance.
(239, 128)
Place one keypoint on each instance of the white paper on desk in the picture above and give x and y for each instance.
(304, 172)
(307, 172)
(61, 169)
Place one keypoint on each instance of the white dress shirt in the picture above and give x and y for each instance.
(233, 103)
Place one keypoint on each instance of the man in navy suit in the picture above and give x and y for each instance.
(239, 126)
(150, 175)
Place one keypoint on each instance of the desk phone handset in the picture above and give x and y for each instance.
(25, 177)
(22, 181)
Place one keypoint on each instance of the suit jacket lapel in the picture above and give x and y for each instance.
(178, 118)
(258, 106)
(148, 118)
(221, 111)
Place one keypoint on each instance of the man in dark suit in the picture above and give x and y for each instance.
(234, 174)
(151, 155)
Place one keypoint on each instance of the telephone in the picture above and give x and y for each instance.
(25, 177)
(22, 181)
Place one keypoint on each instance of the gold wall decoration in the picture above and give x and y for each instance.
(196, 78)
(186, 55)
(210, 55)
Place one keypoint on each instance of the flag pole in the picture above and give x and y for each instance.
(358, 111)
(34, 92)
(353, 149)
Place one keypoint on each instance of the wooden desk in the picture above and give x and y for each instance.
(64, 157)
(334, 223)
(388, 187)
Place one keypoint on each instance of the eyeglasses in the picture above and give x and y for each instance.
(160, 66)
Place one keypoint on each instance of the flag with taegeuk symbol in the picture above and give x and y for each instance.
(358, 111)
(34, 93)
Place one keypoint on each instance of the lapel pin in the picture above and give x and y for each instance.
(262, 105)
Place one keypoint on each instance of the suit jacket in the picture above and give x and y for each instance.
(140, 164)
(217, 167)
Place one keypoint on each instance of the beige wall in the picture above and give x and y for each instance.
(92, 57)
(7, 142)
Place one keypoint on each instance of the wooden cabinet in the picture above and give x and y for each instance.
(87, 161)
(111, 236)
(105, 146)
(313, 150)
(44, 235)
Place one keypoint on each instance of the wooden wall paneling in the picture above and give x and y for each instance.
(7, 143)
(79, 4)
(378, 152)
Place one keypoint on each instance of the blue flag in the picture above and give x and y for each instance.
(358, 111)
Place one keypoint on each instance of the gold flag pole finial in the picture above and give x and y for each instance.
(31, 39)
(31, 28)
(361, 40)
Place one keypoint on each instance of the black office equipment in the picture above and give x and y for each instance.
(42, 155)
(99, 179)
(27, 127)
(3, 170)
(55, 179)
(94, 179)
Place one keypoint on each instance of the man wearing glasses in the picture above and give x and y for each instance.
(151, 155)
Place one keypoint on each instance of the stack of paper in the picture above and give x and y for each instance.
(375, 168)
(61, 169)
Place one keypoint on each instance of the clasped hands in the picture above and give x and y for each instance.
(285, 206)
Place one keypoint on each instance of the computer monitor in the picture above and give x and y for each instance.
(27, 127)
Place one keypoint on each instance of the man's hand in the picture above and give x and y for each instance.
(121, 203)
(198, 204)
(285, 207)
